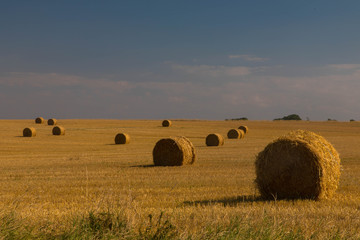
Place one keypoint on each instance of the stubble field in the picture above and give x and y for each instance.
(83, 186)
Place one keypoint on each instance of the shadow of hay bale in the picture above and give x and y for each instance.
(145, 166)
(227, 202)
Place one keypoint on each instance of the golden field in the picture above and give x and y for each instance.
(47, 182)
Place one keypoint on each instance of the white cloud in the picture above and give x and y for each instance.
(53, 80)
(213, 71)
(250, 58)
(38, 79)
(344, 66)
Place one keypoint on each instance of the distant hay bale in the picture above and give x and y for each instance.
(235, 134)
(166, 123)
(29, 132)
(39, 120)
(300, 164)
(244, 128)
(242, 133)
(214, 139)
(57, 130)
(122, 138)
(176, 151)
(52, 121)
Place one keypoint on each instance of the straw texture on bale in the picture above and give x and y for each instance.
(174, 152)
(57, 130)
(29, 132)
(122, 138)
(52, 121)
(244, 128)
(214, 139)
(235, 134)
(166, 123)
(300, 164)
(39, 120)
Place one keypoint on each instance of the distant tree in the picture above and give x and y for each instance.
(237, 119)
(334, 120)
(352, 120)
(289, 117)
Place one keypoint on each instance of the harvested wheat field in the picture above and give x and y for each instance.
(83, 186)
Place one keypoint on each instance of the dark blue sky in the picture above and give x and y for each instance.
(180, 59)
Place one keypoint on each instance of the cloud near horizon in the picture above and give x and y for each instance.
(255, 96)
(344, 66)
(213, 71)
(249, 58)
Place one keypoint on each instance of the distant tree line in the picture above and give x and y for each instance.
(236, 119)
(289, 117)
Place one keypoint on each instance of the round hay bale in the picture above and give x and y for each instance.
(57, 130)
(300, 164)
(235, 134)
(122, 138)
(29, 132)
(39, 120)
(52, 121)
(166, 123)
(244, 128)
(242, 133)
(214, 139)
(176, 151)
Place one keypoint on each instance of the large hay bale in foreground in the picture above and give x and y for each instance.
(300, 164)
(122, 138)
(244, 128)
(39, 120)
(174, 152)
(235, 134)
(52, 121)
(29, 132)
(214, 139)
(166, 123)
(58, 130)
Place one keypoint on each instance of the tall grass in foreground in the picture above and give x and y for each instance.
(108, 225)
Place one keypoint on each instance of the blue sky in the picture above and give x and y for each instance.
(180, 59)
